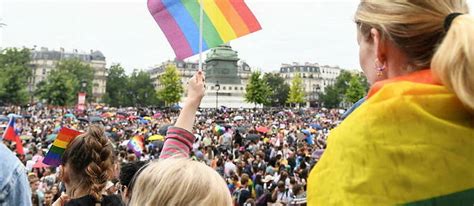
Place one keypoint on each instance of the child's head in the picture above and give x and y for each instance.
(179, 182)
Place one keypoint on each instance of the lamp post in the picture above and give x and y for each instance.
(318, 89)
(218, 87)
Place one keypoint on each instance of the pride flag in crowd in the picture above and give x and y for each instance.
(223, 20)
(11, 135)
(65, 136)
(136, 145)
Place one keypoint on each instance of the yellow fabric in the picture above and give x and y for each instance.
(408, 142)
(219, 21)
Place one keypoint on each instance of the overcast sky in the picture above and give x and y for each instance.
(317, 31)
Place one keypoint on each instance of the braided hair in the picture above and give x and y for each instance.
(90, 157)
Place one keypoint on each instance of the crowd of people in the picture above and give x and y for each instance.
(264, 155)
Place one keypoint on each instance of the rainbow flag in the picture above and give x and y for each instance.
(136, 145)
(223, 20)
(411, 143)
(65, 136)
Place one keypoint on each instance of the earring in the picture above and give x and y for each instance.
(379, 69)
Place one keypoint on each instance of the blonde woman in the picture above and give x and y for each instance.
(412, 141)
(175, 179)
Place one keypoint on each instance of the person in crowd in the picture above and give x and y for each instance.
(48, 198)
(175, 179)
(281, 194)
(87, 164)
(415, 130)
(36, 194)
(127, 172)
(14, 188)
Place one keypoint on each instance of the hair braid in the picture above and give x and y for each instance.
(100, 167)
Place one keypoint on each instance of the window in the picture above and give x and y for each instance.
(223, 88)
(230, 88)
(212, 88)
(292, 69)
(241, 88)
(305, 69)
(44, 71)
(236, 88)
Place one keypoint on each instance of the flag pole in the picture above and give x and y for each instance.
(201, 14)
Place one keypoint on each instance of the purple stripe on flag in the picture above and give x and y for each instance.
(170, 28)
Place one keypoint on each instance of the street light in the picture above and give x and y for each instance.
(218, 87)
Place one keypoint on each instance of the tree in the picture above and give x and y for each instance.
(363, 80)
(14, 75)
(257, 91)
(64, 83)
(279, 90)
(342, 82)
(172, 88)
(331, 97)
(141, 90)
(58, 88)
(80, 72)
(297, 93)
(116, 88)
(355, 91)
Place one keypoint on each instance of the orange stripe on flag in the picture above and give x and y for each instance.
(60, 144)
(233, 17)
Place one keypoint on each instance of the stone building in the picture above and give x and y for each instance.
(315, 78)
(44, 60)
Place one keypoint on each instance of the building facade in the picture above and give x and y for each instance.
(45, 60)
(226, 77)
(315, 78)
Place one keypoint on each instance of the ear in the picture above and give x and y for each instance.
(380, 48)
(64, 174)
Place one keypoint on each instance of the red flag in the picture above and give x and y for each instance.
(11, 135)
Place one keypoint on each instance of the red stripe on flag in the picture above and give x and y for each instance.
(241, 7)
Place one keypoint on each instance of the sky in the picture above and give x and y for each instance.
(315, 31)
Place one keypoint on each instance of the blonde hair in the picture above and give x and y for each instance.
(179, 181)
(417, 29)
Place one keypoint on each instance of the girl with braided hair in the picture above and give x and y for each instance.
(87, 164)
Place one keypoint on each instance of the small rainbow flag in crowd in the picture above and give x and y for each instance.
(223, 20)
(136, 144)
(65, 136)
(219, 130)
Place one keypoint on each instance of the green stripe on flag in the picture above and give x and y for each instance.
(209, 33)
(464, 198)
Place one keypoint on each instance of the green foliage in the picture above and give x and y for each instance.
(141, 90)
(355, 91)
(172, 88)
(257, 91)
(64, 83)
(342, 82)
(363, 80)
(58, 88)
(331, 97)
(14, 75)
(116, 88)
(297, 93)
(279, 90)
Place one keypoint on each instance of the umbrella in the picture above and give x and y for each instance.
(40, 164)
(69, 115)
(315, 126)
(106, 115)
(14, 115)
(253, 137)
(25, 137)
(306, 132)
(164, 129)
(262, 129)
(95, 119)
(119, 116)
(242, 129)
(147, 118)
(157, 115)
(156, 137)
(82, 119)
(132, 117)
(4, 118)
(51, 137)
(238, 118)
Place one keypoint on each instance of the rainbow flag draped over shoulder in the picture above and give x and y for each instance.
(136, 145)
(65, 136)
(223, 20)
(410, 143)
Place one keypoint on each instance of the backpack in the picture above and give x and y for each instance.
(263, 199)
(241, 196)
